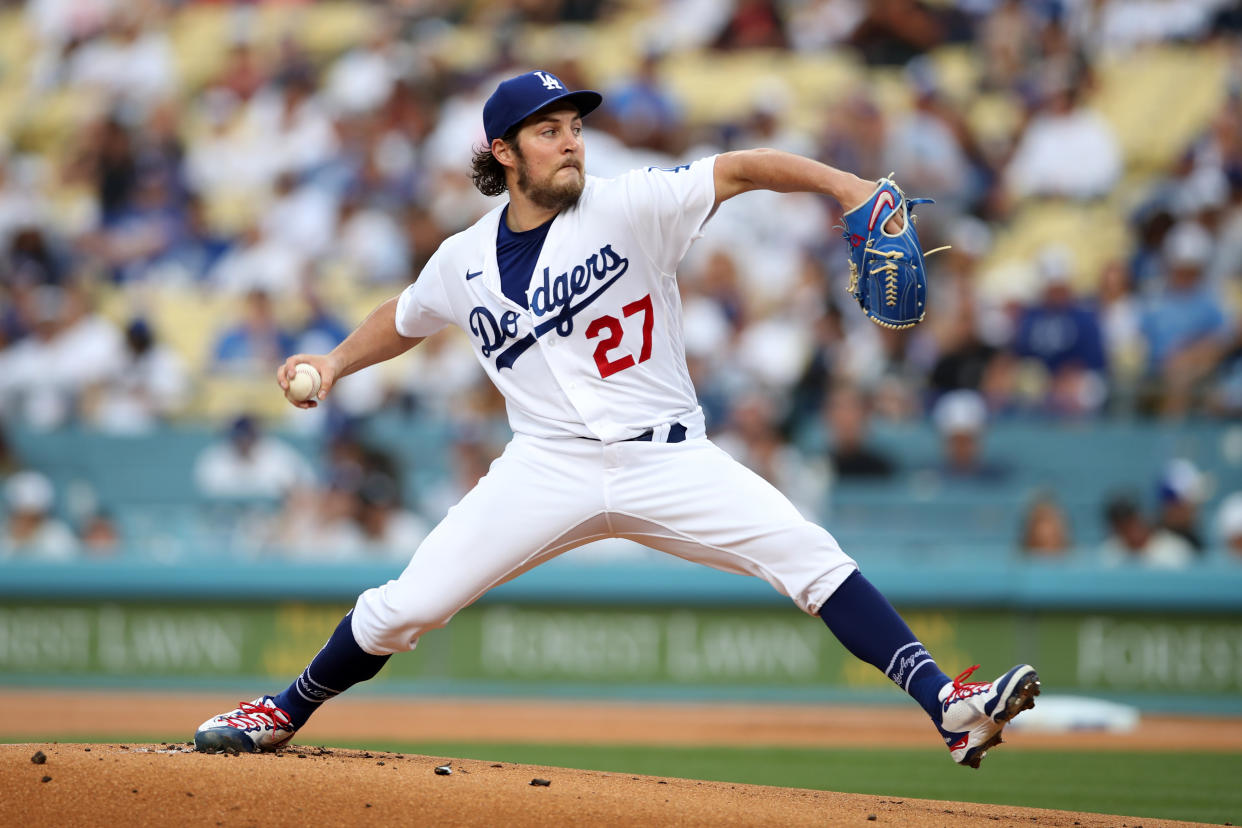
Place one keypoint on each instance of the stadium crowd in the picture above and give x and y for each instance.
(287, 183)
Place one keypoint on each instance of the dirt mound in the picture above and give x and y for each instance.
(143, 784)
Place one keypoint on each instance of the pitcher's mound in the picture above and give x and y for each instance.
(143, 784)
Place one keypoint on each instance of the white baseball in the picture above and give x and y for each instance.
(305, 383)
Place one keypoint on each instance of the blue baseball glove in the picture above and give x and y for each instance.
(887, 274)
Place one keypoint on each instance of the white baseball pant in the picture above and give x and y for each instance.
(542, 497)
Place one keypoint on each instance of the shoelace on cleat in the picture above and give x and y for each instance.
(963, 689)
(257, 713)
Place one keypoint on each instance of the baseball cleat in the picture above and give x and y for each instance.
(254, 726)
(974, 713)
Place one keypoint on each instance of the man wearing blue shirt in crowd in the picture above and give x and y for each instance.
(1185, 324)
(1065, 336)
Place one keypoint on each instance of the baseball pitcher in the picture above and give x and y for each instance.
(568, 292)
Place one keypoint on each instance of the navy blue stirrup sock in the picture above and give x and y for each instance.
(337, 667)
(866, 623)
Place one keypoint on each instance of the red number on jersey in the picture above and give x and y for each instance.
(608, 367)
(611, 324)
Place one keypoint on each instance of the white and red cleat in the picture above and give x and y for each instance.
(254, 726)
(974, 713)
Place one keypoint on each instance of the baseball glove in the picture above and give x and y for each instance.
(887, 274)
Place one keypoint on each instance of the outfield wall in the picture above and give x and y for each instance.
(1161, 641)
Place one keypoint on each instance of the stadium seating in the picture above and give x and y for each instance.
(147, 482)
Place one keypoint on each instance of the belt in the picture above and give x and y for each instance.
(676, 434)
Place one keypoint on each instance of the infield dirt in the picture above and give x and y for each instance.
(171, 785)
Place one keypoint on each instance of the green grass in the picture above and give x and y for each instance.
(1189, 786)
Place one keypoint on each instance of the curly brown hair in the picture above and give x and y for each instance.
(487, 173)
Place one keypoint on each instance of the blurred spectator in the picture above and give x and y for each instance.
(10, 463)
(848, 418)
(292, 124)
(1133, 539)
(260, 262)
(1119, 318)
(752, 438)
(195, 251)
(1225, 396)
(358, 515)
(1180, 492)
(1184, 322)
(32, 258)
(769, 123)
(315, 525)
(61, 21)
(965, 355)
(1008, 37)
(249, 464)
(130, 63)
(1045, 530)
(71, 353)
(1229, 525)
(322, 330)
(31, 532)
(32, 388)
(961, 418)
(894, 31)
(1067, 150)
(141, 231)
(819, 24)
(115, 165)
(255, 344)
(363, 77)
(1151, 224)
(372, 244)
(243, 74)
(854, 136)
(386, 530)
(472, 455)
(148, 387)
(439, 372)
(643, 107)
(1064, 336)
(754, 24)
(350, 459)
(300, 218)
(926, 145)
(225, 160)
(1112, 26)
(100, 536)
(91, 345)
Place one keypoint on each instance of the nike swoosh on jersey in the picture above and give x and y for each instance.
(471, 274)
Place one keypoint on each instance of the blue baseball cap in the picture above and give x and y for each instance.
(518, 98)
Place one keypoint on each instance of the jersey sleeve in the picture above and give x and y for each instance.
(423, 307)
(667, 207)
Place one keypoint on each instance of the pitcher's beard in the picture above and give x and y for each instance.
(550, 196)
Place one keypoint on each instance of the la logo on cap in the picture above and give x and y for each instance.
(549, 81)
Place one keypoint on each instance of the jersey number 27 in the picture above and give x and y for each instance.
(611, 325)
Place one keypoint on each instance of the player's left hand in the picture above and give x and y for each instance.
(888, 277)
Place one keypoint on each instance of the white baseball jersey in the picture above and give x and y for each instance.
(599, 353)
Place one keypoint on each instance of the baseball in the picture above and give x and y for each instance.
(305, 383)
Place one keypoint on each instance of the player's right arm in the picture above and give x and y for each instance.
(375, 340)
